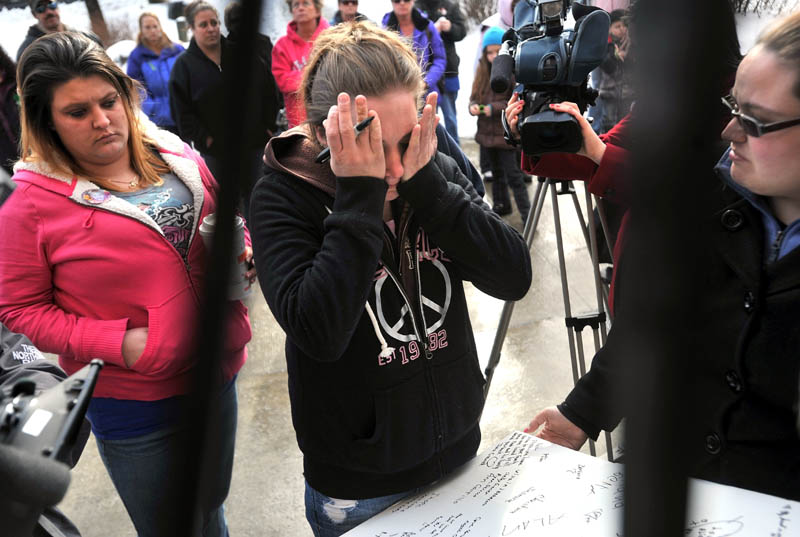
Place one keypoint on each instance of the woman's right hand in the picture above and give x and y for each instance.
(353, 156)
(513, 110)
(474, 109)
(556, 428)
(133, 343)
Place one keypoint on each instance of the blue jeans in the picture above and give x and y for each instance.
(331, 517)
(447, 103)
(148, 476)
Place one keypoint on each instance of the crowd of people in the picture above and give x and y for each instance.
(364, 218)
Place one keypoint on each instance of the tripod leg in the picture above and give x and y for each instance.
(582, 366)
(508, 307)
(602, 301)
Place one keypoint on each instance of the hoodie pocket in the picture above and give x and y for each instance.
(404, 430)
(459, 385)
(170, 338)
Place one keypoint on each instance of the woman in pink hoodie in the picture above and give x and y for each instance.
(100, 258)
(290, 53)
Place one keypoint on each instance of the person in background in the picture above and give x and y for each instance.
(196, 91)
(48, 21)
(9, 113)
(489, 106)
(198, 88)
(504, 18)
(267, 98)
(151, 63)
(263, 50)
(451, 24)
(615, 85)
(412, 24)
(347, 12)
(362, 261)
(100, 257)
(290, 55)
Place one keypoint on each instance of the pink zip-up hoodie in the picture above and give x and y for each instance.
(289, 58)
(78, 267)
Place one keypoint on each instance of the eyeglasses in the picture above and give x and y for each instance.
(401, 1)
(349, 2)
(752, 126)
(41, 8)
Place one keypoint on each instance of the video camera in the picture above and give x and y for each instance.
(553, 65)
(38, 430)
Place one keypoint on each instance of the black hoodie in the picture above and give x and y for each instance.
(372, 423)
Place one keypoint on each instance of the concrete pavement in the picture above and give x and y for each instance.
(266, 497)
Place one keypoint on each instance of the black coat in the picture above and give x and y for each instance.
(9, 125)
(745, 360)
(198, 103)
(373, 425)
(34, 33)
(450, 10)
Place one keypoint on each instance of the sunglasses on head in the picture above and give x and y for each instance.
(41, 8)
(752, 126)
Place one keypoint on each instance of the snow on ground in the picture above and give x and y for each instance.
(15, 22)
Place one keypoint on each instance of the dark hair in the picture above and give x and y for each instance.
(192, 9)
(233, 16)
(53, 60)
(7, 67)
(481, 81)
(618, 15)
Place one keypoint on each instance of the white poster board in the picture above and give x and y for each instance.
(528, 486)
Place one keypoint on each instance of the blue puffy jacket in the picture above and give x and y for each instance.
(153, 70)
(427, 44)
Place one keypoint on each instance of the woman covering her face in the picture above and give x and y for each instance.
(100, 257)
(362, 261)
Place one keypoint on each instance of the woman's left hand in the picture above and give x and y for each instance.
(593, 147)
(423, 142)
(248, 258)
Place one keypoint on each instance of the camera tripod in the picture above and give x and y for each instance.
(595, 320)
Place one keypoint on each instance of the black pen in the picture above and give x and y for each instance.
(325, 154)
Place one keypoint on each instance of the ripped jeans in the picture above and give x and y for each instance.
(331, 517)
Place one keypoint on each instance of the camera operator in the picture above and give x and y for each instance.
(20, 359)
(745, 354)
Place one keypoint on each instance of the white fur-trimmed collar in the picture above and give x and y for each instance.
(85, 192)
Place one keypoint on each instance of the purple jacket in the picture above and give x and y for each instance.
(427, 44)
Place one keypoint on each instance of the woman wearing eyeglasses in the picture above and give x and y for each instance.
(291, 52)
(748, 352)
